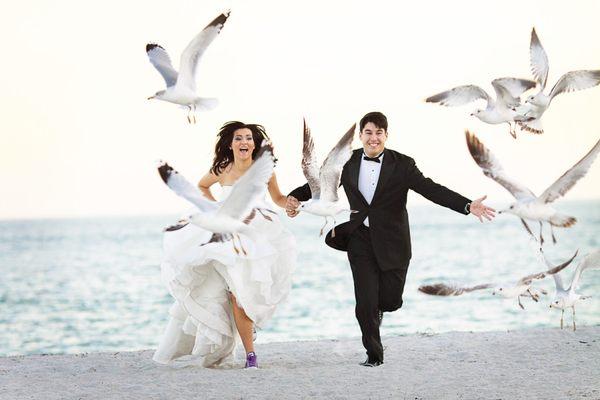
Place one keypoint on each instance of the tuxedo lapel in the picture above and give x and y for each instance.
(387, 167)
(353, 171)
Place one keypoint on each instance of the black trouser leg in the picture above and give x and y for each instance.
(391, 287)
(366, 275)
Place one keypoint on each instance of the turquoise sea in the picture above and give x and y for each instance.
(82, 285)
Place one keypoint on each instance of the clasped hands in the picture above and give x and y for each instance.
(291, 206)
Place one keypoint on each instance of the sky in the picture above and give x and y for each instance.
(79, 138)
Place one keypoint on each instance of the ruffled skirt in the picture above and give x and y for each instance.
(199, 277)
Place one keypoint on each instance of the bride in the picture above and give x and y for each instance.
(221, 296)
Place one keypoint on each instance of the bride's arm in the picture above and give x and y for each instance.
(276, 195)
(206, 182)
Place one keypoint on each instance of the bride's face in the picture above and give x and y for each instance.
(242, 144)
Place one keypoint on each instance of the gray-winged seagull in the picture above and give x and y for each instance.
(181, 87)
(522, 288)
(498, 111)
(324, 182)
(232, 216)
(528, 206)
(537, 104)
(566, 297)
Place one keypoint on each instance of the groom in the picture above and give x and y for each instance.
(377, 238)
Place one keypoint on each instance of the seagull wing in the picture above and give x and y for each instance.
(441, 289)
(538, 59)
(492, 169)
(331, 170)
(250, 187)
(194, 50)
(504, 96)
(553, 270)
(570, 178)
(515, 86)
(310, 168)
(183, 188)
(558, 282)
(162, 62)
(575, 80)
(459, 96)
(591, 261)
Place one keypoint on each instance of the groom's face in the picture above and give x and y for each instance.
(373, 139)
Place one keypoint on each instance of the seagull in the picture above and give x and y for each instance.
(232, 216)
(528, 206)
(501, 110)
(181, 87)
(537, 104)
(522, 288)
(567, 298)
(324, 182)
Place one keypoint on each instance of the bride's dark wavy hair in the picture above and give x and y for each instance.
(223, 153)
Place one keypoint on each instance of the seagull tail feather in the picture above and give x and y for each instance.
(206, 103)
(532, 126)
(562, 221)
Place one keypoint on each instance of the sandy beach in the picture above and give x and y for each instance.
(532, 364)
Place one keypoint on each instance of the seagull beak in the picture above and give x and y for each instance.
(151, 97)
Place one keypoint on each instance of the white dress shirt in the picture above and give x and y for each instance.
(368, 176)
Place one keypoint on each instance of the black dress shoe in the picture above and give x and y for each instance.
(371, 363)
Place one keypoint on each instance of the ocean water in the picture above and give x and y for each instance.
(82, 285)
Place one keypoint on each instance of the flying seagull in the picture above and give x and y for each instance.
(522, 288)
(232, 216)
(537, 104)
(181, 87)
(566, 297)
(324, 182)
(498, 111)
(528, 206)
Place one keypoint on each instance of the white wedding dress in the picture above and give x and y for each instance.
(199, 277)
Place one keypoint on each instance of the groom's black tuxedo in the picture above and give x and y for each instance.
(388, 219)
(379, 254)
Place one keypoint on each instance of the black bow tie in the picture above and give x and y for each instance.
(374, 159)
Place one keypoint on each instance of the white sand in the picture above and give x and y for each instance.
(530, 364)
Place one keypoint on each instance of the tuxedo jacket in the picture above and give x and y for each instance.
(388, 219)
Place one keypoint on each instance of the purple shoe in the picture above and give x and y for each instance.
(251, 360)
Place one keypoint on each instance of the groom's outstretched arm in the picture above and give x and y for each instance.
(434, 191)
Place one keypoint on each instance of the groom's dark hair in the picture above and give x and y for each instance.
(376, 118)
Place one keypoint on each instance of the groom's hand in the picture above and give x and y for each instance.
(291, 205)
(480, 210)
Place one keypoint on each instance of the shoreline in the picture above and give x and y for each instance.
(544, 363)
